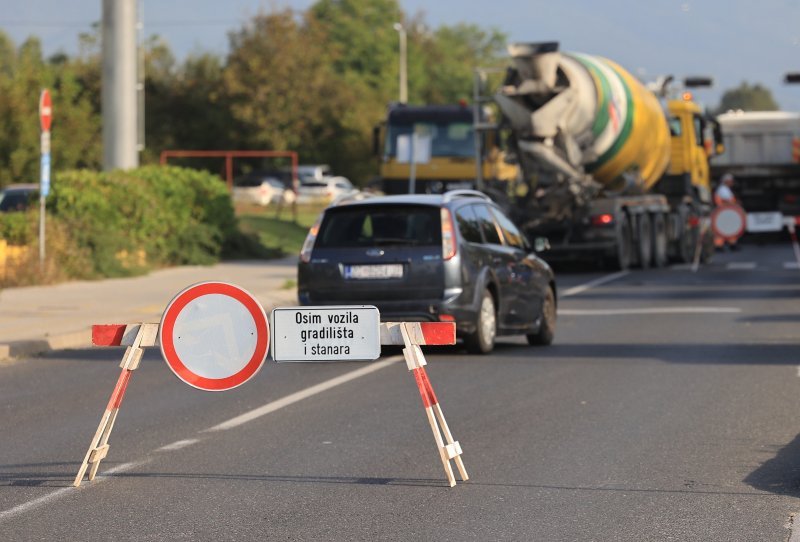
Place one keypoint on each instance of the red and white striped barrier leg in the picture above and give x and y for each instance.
(795, 244)
(145, 335)
(452, 450)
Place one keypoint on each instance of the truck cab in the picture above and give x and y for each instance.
(449, 133)
(689, 154)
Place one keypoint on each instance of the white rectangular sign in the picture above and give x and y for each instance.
(419, 143)
(764, 222)
(340, 333)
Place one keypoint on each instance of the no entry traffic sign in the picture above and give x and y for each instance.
(728, 222)
(214, 336)
(45, 110)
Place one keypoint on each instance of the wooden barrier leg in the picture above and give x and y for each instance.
(795, 244)
(452, 450)
(453, 444)
(98, 449)
(92, 447)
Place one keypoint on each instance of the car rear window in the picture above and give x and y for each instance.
(380, 225)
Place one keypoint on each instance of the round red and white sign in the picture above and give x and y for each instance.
(214, 336)
(728, 222)
(45, 110)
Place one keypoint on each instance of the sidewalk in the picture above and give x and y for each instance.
(38, 319)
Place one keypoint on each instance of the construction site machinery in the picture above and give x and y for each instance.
(455, 151)
(607, 170)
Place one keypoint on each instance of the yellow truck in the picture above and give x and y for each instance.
(593, 160)
(608, 170)
(455, 155)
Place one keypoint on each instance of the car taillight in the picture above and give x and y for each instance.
(308, 244)
(448, 235)
(603, 220)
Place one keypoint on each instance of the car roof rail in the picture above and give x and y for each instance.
(350, 198)
(453, 194)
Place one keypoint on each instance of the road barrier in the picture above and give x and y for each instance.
(791, 223)
(214, 337)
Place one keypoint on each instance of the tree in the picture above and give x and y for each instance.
(284, 93)
(451, 54)
(363, 40)
(748, 98)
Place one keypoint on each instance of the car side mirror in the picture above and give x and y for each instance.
(541, 244)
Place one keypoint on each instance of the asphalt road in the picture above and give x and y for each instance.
(666, 410)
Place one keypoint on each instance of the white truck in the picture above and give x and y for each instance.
(762, 151)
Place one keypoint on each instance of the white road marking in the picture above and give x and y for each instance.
(57, 494)
(682, 267)
(575, 290)
(741, 266)
(791, 265)
(178, 445)
(233, 422)
(650, 310)
(303, 394)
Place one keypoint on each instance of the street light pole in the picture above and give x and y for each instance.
(403, 63)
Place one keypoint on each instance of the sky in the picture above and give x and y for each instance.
(729, 40)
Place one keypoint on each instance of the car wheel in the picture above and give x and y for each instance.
(547, 331)
(482, 341)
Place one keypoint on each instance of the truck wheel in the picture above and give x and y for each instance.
(622, 260)
(660, 255)
(645, 245)
(547, 331)
(482, 341)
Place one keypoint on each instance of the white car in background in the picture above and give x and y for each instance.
(325, 190)
(261, 189)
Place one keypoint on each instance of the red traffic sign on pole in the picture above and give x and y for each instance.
(214, 336)
(45, 110)
(728, 221)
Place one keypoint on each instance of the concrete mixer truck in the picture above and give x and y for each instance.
(606, 170)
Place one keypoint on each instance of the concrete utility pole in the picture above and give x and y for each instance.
(403, 63)
(119, 85)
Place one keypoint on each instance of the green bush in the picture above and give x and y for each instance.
(173, 215)
(15, 229)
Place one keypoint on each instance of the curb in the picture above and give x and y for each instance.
(79, 339)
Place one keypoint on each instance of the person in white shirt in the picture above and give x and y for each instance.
(724, 194)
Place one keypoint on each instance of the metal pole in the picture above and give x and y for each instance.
(119, 101)
(412, 173)
(476, 122)
(44, 189)
(41, 232)
(403, 63)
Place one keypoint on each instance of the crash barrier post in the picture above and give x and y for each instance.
(412, 335)
(136, 337)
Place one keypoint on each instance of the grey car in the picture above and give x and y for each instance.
(447, 257)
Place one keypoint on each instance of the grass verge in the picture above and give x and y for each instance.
(282, 233)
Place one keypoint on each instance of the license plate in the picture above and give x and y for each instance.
(764, 222)
(384, 271)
